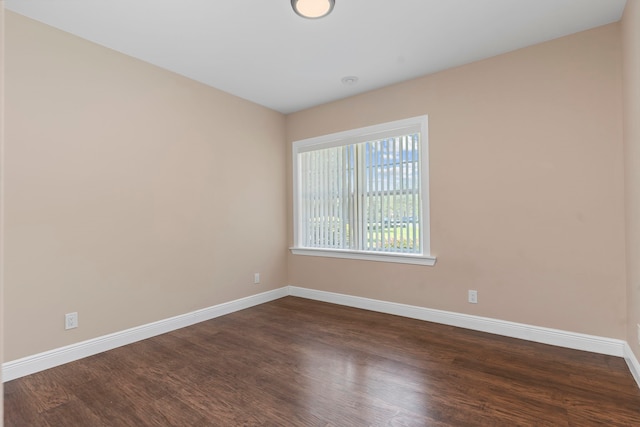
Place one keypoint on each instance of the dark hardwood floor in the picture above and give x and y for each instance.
(295, 362)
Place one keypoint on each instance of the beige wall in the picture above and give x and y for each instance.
(527, 202)
(1, 205)
(631, 81)
(132, 194)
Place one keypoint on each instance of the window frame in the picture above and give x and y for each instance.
(355, 136)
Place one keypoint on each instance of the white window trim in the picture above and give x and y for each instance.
(419, 124)
(366, 256)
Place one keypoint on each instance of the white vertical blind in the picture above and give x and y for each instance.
(325, 195)
(363, 196)
(392, 194)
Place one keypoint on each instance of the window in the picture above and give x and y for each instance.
(363, 194)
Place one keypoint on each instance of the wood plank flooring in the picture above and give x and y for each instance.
(296, 362)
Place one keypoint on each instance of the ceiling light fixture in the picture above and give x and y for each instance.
(312, 9)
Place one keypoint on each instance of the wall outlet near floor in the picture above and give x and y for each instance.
(473, 297)
(71, 320)
(256, 278)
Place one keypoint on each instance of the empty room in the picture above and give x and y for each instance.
(320, 213)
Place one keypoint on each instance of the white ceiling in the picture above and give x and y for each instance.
(262, 51)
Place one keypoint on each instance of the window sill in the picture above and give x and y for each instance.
(366, 256)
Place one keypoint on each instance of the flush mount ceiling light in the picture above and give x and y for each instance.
(312, 9)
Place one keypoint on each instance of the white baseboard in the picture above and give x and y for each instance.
(49, 359)
(632, 362)
(39, 362)
(595, 344)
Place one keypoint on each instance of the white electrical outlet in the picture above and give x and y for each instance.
(256, 278)
(71, 320)
(473, 297)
